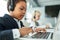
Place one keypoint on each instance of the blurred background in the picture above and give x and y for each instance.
(49, 10)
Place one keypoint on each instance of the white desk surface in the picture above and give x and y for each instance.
(31, 39)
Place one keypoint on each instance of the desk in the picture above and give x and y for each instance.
(48, 30)
(31, 39)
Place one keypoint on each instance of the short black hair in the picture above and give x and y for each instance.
(14, 3)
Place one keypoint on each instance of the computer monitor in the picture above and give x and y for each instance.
(52, 10)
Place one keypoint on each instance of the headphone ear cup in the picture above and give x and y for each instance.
(34, 16)
(11, 6)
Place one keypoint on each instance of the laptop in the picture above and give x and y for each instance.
(39, 36)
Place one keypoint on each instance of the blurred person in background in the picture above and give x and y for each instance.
(34, 24)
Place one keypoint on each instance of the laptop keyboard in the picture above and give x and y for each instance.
(41, 35)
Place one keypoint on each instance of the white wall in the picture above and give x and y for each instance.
(3, 7)
(49, 2)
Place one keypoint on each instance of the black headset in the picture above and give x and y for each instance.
(34, 17)
(11, 5)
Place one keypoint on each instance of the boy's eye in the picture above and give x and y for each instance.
(21, 8)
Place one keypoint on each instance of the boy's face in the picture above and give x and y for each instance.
(19, 10)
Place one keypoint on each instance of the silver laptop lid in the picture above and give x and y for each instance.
(58, 22)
